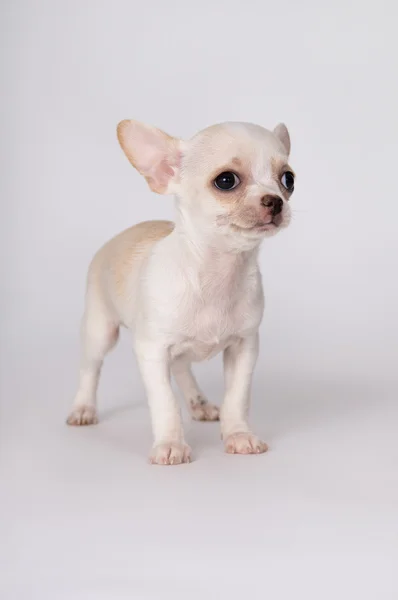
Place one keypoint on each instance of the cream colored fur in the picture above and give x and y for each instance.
(190, 289)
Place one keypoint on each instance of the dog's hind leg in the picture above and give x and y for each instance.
(99, 334)
(199, 407)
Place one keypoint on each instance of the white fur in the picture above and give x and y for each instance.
(189, 294)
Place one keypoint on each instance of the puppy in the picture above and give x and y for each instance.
(190, 289)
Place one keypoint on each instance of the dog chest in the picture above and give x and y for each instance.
(210, 330)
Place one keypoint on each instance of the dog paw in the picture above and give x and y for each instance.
(170, 453)
(82, 415)
(201, 410)
(244, 443)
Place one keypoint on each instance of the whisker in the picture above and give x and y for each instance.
(297, 210)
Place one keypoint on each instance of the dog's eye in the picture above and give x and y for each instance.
(287, 180)
(226, 181)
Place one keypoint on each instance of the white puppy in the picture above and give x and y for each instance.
(190, 289)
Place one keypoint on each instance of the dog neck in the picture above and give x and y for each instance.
(214, 261)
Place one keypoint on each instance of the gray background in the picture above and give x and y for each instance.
(84, 516)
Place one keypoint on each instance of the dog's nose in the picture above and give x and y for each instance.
(273, 202)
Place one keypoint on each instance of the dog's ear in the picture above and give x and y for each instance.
(156, 155)
(283, 136)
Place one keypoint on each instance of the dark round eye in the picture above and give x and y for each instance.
(226, 181)
(287, 180)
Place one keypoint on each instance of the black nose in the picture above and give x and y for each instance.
(273, 202)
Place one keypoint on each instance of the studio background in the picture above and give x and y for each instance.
(84, 515)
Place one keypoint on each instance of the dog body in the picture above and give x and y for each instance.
(190, 289)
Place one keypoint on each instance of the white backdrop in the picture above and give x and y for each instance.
(71, 71)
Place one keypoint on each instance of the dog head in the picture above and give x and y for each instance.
(231, 178)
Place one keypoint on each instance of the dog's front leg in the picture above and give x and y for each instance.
(169, 446)
(239, 362)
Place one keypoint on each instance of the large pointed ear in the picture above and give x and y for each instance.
(156, 155)
(283, 136)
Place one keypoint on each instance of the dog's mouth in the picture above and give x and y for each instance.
(265, 226)
(256, 227)
(261, 226)
(274, 223)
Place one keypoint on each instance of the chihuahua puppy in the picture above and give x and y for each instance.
(190, 289)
